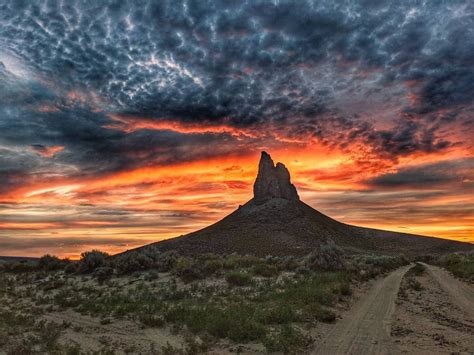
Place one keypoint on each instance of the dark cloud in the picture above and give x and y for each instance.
(209, 60)
(299, 68)
(430, 176)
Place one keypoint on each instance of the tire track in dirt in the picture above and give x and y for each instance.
(460, 292)
(366, 327)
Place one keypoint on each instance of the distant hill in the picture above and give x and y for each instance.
(17, 259)
(276, 222)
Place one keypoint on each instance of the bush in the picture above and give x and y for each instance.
(240, 261)
(417, 270)
(461, 265)
(187, 269)
(287, 340)
(132, 261)
(264, 270)
(151, 320)
(165, 262)
(212, 267)
(326, 257)
(370, 266)
(238, 278)
(91, 260)
(103, 273)
(414, 284)
(50, 262)
(71, 268)
(235, 322)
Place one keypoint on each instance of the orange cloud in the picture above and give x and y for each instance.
(45, 151)
(166, 201)
(130, 124)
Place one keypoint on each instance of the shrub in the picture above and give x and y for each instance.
(243, 261)
(417, 270)
(326, 257)
(166, 261)
(103, 273)
(212, 267)
(50, 262)
(187, 269)
(288, 340)
(235, 322)
(370, 266)
(132, 261)
(238, 278)
(71, 268)
(461, 265)
(151, 320)
(414, 284)
(91, 260)
(264, 270)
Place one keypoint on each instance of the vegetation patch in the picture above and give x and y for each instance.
(461, 265)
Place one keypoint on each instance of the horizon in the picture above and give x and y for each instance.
(123, 125)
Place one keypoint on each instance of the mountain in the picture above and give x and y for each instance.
(276, 222)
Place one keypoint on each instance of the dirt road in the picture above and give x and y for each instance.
(461, 293)
(366, 328)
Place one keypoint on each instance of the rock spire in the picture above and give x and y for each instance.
(273, 181)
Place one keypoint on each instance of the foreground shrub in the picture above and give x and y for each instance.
(461, 265)
(212, 267)
(187, 269)
(91, 260)
(370, 266)
(265, 270)
(165, 262)
(131, 262)
(287, 340)
(417, 270)
(235, 322)
(326, 257)
(235, 261)
(50, 262)
(238, 278)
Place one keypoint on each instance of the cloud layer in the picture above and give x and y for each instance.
(92, 90)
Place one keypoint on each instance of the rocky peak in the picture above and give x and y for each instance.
(273, 181)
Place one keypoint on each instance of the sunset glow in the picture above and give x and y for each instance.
(113, 137)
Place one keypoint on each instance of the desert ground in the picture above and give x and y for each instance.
(325, 304)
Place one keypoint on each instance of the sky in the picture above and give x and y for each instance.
(127, 122)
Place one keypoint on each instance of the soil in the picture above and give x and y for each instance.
(434, 318)
(365, 329)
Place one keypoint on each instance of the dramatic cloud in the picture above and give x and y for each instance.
(430, 176)
(102, 92)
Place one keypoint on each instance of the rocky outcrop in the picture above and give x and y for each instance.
(273, 181)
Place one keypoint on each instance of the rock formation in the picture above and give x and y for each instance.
(277, 222)
(273, 181)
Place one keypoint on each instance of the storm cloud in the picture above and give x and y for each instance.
(92, 90)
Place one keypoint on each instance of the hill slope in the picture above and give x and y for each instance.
(276, 222)
(283, 227)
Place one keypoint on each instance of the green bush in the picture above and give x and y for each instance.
(461, 265)
(326, 257)
(417, 270)
(264, 270)
(50, 262)
(288, 340)
(240, 261)
(71, 268)
(213, 266)
(238, 278)
(235, 322)
(132, 261)
(91, 260)
(187, 269)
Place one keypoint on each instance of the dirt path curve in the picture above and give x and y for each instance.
(460, 292)
(366, 328)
